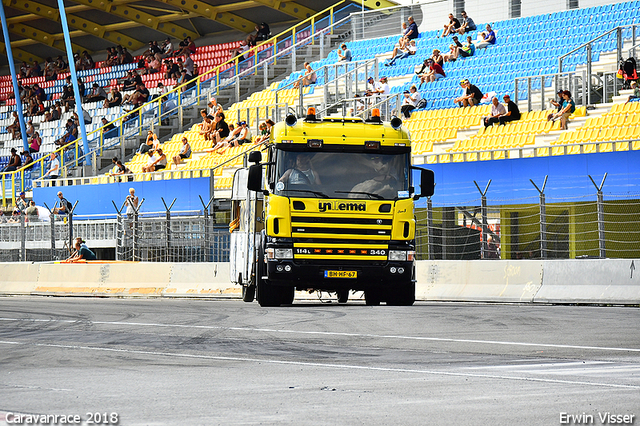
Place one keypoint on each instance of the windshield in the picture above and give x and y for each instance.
(368, 176)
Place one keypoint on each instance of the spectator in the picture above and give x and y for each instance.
(468, 49)
(14, 127)
(185, 77)
(262, 34)
(138, 97)
(154, 51)
(189, 65)
(24, 69)
(34, 70)
(32, 212)
(268, 124)
(488, 38)
(112, 57)
(412, 29)
(86, 61)
(28, 159)
(150, 144)
(410, 101)
(154, 65)
(38, 93)
(435, 72)
(121, 169)
(56, 112)
(132, 204)
(14, 162)
(568, 108)
(437, 57)
(158, 161)
(167, 48)
(513, 112)
(308, 78)
(21, 202)
(187, 46)
(185, 152)
(35, 142)
(129, 82)
(409, 50)
(173, 71)
(54, 167)
(452, 26)
(497, 110)
(114, 98)
(96, 94)
(65, 205)
(30, 130)
(636, 91)
(207, 126)
(212, 106)
(108, 129)
(467, 25)
(471, 95)
(239, 51)
(124, 57)
(70, 135)
(344, 54)
(221, 128)
(557, 104)
(454, 50)
(82, 252)
(244, 136)
(383, 88)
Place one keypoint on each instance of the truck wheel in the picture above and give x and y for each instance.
(372, 297)
(403, 296)
(248, 293)
(287, 294)
(268, 295)
(343, 295)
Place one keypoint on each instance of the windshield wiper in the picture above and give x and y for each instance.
(318, 193)
(370, 194)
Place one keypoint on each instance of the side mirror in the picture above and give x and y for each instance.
(255, 157)
(254, 180)
(427, 182)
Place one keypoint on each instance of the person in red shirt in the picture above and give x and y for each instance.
(435, 72)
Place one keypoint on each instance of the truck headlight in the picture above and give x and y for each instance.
(279, 253)
(402, 255)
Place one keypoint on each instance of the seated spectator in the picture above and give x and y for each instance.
(173, 71)
(167, 48)
(32, 212)
(154, 51)
(28, 159)
(410, 101)
(308, 78)
(471, 95)
(262, 34)
(112, 57)
(50, 71)
(65, 206)
(138, 97)
(488, 38)
(244, 136)
(54, 167)
(467, 25)
(96, 94)
(185, 152)
(412, 29)
(437, 57)
(34, 70)
(636, 91)
(157, 161)
(14, 127)
(154, 66)
(452, 26)
(557, 104)
(513, 112)
(114, 98)
(435, 72)
(221, 130)
(212, 106)
(120, 169)
(30, 129)
(468, 49)
(568, 108)
(185, 77)
(207, 127)
(35, 142)
(239, 51)
(82, 253)
(344, 54)
(409, 50)
(56, 111)
(268, 124)
(70, 135)
(86, 61)
(454, 50)
(187, 45)
(14, 162)
(497, 110)
(150, 144)
(108, 129)
(124, 57)
(24, 69)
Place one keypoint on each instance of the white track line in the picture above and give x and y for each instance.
(320, 365)
(329, 333)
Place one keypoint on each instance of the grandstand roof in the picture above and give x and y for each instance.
(36, 32)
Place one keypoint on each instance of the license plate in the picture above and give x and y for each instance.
(341, 274)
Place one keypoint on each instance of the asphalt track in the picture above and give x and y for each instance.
(209, 362)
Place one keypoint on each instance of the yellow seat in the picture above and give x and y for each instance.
(542, 152)
(606, 147)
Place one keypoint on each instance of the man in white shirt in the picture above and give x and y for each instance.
(497, 111)
(410, 101)
(409, 50)
(54, 167)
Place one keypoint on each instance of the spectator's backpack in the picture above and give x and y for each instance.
(67, 205)
(629, 72)
(422, 103)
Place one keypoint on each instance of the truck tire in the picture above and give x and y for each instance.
(372, 297)
(287, 294)
(248, 293)
(403, 296)
(267, 295)
(343, 296)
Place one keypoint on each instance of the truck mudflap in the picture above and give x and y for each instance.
(328, 276)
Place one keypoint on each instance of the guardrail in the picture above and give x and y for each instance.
(551, 83)
(188, 93)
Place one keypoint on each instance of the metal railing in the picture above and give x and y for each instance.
(549, 84)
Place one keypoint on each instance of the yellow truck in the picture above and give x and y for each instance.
(330, 209)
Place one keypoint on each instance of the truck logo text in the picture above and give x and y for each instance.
(335, 205)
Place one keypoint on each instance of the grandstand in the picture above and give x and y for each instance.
(526, 48)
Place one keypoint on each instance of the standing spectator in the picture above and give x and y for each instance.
(497, 110)
(21, 202)
(471, 95)
(452, 26)
(410, 101)
(14, 162)
(96, 94)
(467, 25)
(65, 205)
(513, 112)
(410, 50)
(383, 88)
(488, 39)
(435, 72)
(54, 167)
(185, 152)
(344, 54)
(132, 204)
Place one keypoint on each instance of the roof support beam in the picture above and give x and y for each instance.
(21, 55)
(212, 12)
(144, 18)
(87, 26)
(290, 8)
(45, 38)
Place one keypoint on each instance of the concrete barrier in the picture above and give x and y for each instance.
(607, 281)
(478, 280)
